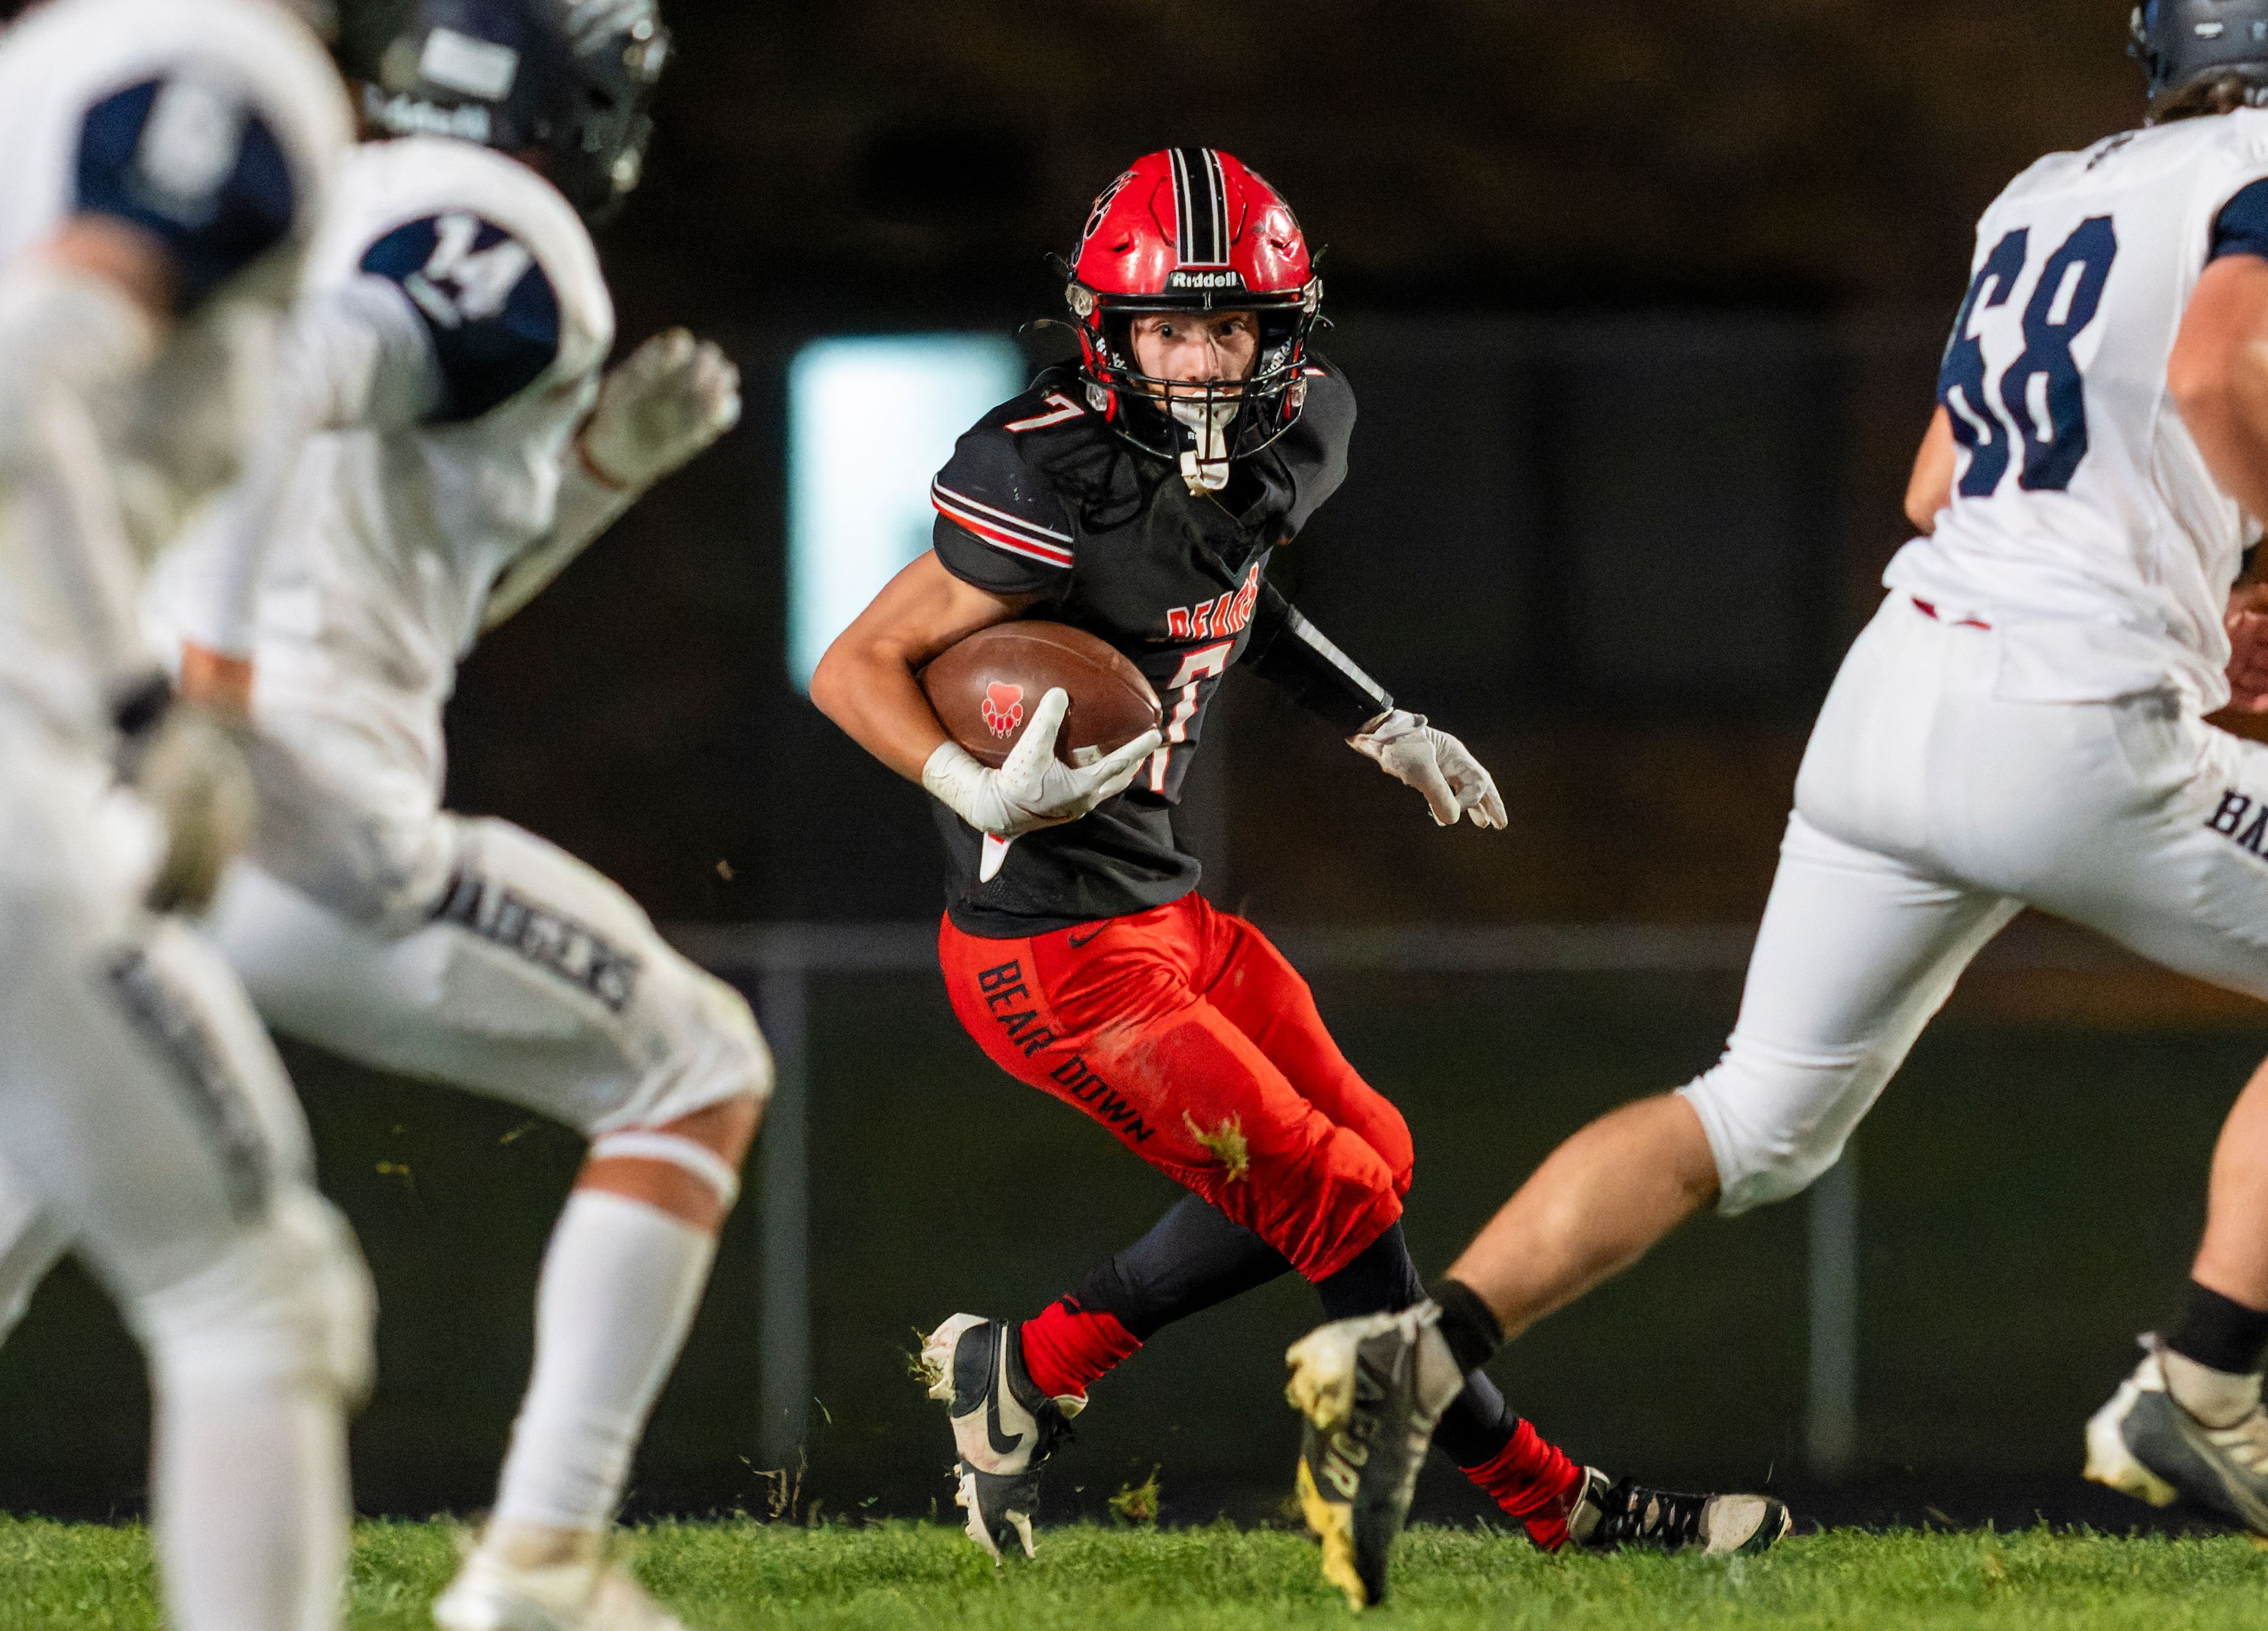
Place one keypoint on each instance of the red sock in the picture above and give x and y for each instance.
(1533, 1480)
(1066, 1348)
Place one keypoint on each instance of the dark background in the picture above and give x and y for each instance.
(1643, 306)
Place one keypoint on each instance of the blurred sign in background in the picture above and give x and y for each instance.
(1642, 306)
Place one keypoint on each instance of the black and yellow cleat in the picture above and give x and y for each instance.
(1371, 1390)
(2143, 1444)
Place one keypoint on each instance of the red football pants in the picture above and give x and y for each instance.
(1183, 1032)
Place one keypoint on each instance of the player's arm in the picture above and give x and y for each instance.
(349, 356)
(656, 410)
(866, 684)
(85, 311)
(1929, 489)
(1291, 653)
(2218, 377)
(865, 681)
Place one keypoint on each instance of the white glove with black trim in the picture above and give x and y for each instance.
(1436, 764)
(1034, 789)
(658, 408)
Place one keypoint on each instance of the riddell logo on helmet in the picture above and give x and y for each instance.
(1227, 278)
(1004, 707)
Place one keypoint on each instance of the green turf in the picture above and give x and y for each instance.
(728, 1575)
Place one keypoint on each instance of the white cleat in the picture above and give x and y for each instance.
(592, 1593)
(1003, 1427)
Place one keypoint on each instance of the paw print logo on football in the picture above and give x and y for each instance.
(987, 686)
(1004, 707)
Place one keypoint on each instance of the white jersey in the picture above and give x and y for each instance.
(390, 538)
(2083, 520)
(213, 126)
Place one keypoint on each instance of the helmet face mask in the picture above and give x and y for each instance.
(1191, 229)
(564, 83)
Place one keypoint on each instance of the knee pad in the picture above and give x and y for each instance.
(1767, 1148)
(716, 1053)
(1329, 1208)
(286, 1302)
(743, 1054)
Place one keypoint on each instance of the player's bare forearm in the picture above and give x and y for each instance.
(1930, 488)
(2219, 376)
(1597, 1204)
(866, 682)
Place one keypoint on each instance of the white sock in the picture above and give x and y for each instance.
(2219, 1398)
(250, 1505)
(621, 1282)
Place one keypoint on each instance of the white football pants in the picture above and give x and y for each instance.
(534, 979)
(1927, 813)
(144, 1116)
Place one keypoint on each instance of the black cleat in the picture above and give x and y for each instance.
(1372, 1390)
(2143, 1444)
(1607, 1516)
(1003, 1426)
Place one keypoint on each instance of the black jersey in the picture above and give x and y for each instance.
(1042, 498)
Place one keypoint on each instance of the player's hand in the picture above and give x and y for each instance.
(658, 406)
(1032, 789)
(1439, 766)
(2247, 622)
(186, 759)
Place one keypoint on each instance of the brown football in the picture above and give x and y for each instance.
(985, 687)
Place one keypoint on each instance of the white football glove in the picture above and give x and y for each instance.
(1437, 764)
(1034, 789)
(187, 762)
(659, 406)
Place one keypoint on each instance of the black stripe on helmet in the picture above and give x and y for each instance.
(1217, 197)
(1200, 208)
(1184, 214)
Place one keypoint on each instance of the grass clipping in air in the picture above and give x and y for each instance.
(879, 1577)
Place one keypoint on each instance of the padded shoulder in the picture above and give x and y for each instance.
(1315, 450)
(496, 261)
(1002, 523)
(492, 313)
(384, 185)
(214, 125)
(198, 167)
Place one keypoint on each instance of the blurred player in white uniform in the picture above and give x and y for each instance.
(166, 162)
(448, 347)
(2022, 723)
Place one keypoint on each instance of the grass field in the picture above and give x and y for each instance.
(720, 1576)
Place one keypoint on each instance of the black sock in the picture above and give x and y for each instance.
(1468, 1323)
(2220, 1334)
(1382, 1280)
(1192, 1259)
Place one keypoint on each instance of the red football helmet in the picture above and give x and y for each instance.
(1190, 229)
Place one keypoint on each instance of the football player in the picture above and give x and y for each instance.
(447, 351)
(2022, 723)
(167, 162)
(1138, 496)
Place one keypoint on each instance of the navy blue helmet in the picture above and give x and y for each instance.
(566, 81)
(2179, 42)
